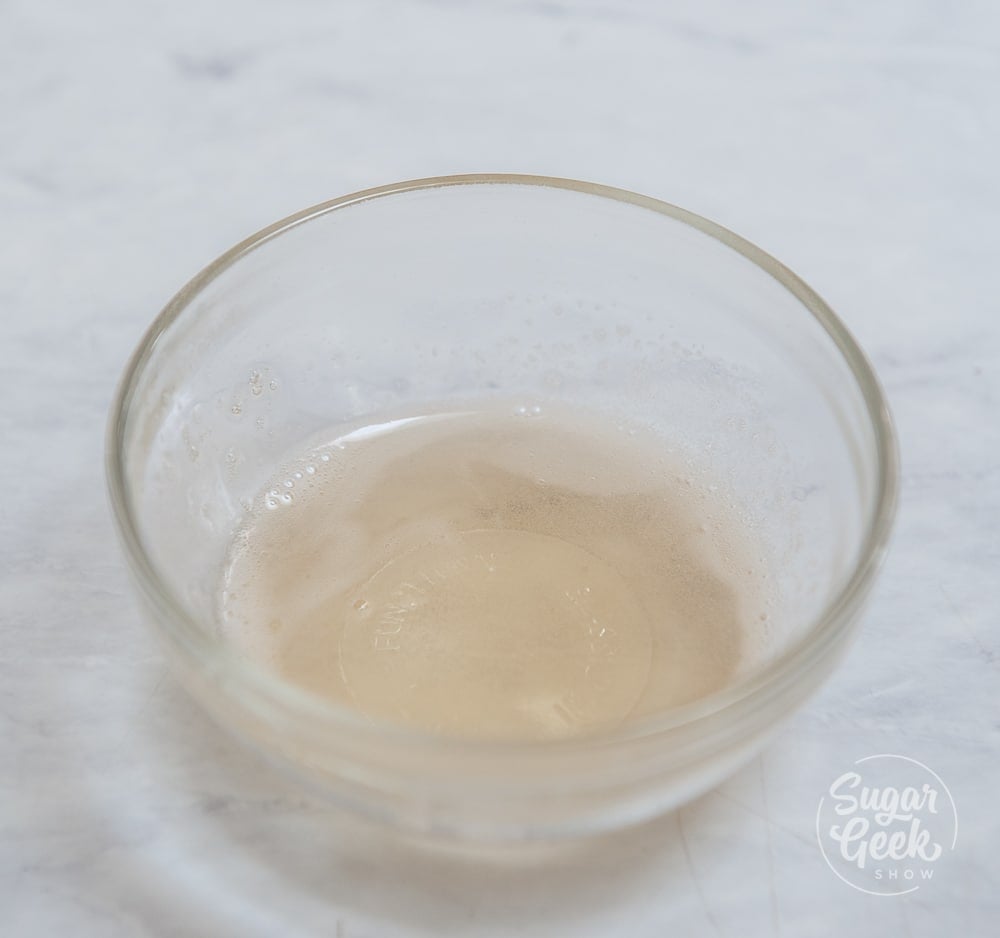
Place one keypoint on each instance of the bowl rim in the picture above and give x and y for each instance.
(255, 688)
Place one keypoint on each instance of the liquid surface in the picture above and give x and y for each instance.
(512, 573)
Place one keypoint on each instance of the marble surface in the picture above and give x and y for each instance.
(857, 141)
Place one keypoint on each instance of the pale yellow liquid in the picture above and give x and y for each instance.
(504, 573)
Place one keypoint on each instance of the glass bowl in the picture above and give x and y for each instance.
(473, 287)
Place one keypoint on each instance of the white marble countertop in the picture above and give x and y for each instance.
(858, 142)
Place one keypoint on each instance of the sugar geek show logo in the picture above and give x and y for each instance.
(884, 826)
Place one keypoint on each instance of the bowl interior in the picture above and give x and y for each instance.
(504, 288)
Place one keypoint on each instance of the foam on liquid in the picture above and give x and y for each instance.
(510, 572)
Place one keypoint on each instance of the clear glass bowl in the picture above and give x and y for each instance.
(489, 285)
